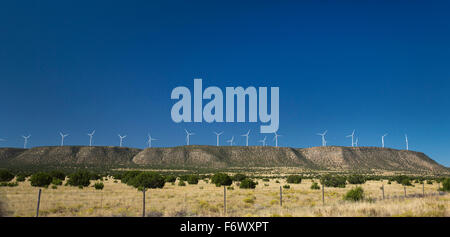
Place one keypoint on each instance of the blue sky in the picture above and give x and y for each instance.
(377, 67)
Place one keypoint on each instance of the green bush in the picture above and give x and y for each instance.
(355, 194)
(181, 183)
(56, 181)
(148, 180)
(99, 185)
(446, 185)
(40, 179)
(247, 184)
(6, 184)
(79, 178)
(315, 186)
(171, 178)
(294, 179)
(356, 179)
(192, 179)
(221, 179)
(266, 180)
(129, 175)
(333, 181)
(286, 186)
(406, 182)
(429, 182)
(20, 178)
(58, 174)
(6, 176)
(239, 177)
(54, 187)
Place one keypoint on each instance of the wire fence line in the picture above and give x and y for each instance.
(47, 202)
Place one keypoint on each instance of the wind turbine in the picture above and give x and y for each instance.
(218, 135)
(121, 139)
(407, 143)
(352, 136)
(382, 139)
(324, 142)
(231, 141)
(150, 139)
(246, 135)
(188, 134)
(62, 138)
(90, 137)
(356, 142)
(263, 141)
(26, 141)
(276, 138)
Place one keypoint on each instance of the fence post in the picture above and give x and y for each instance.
(423, 189)
(224, 201)
(38, 203)
(404, 188)
(281, 197)
(143, 202)
(382, 189)
(323, 194)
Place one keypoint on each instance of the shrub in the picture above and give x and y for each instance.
(6, 184)
(148, 180)
(446, 185)
(230, 188)
(171, 178)
(79, 178)
(294, 179)
(99, 185)
(20, 178)
(56, 181)
(184, 177)
(221, 179)
(129, 175)
(266, 180)
(6, 176)
(54, 187)
(192, 179)
(356, 179)
(286, 186)
(355, 194)
(315, 186)
(40, 179)
(247, 184)
(429, 182)
(239, 177)
(58, 175)
(406, 182)
(181, 183)
(333, 181)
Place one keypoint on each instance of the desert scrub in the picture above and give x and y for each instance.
(171, 178)
(221, 179)
(181, 183)
(286, 186)
(250, 199)
(446, 185)
(294, 179)
(99, 185)
(356, 179)
(239, 177)
(40, 179)
(247, 184)
(56, 181)
(315, 186)
(355, 194)
(5, 176)
(79, 178)
(148, 180)
(333, 181)
(192, 179)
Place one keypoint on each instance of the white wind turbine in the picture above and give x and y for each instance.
(62, 137)
(352, 136)
(407, 143)
(121, 139)
(218, 135)
(356, 142)
(188, 134)
(382, 139)
(276, 138)
(231, 141)
(246, 136)
(263, 141)
(26, 140)
(90, 137)
(150, 139)
(324, 142)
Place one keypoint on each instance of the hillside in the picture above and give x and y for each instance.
(316, 158)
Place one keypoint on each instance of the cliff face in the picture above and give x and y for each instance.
(316, 158)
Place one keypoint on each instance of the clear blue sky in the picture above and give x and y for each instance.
(377, 67)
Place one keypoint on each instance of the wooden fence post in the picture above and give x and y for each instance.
(323, 194)
(404, 188)
(281, 197)
(423, 189)
(143, 202)
(38, 203)
(382, 189)
(224, 201)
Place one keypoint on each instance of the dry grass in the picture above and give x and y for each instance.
(204, 199)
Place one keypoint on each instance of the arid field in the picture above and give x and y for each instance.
(205, 199)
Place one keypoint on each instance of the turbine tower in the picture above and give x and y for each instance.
(263, 141)
(121, 139)
(356, 142)
(231, 141)
(352, 136)
(382, 139)
(150, 139)
(188, 134)
(62, 138)
(90, 137)
(246, 135)
(218, 135)
(407, 143)
(324, 142)
(276, 138)
(25, 141)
